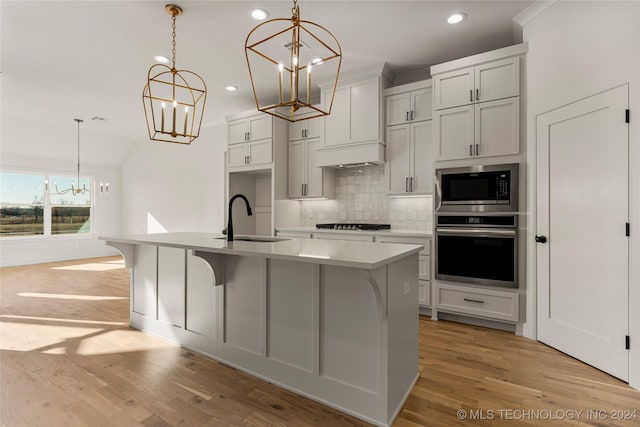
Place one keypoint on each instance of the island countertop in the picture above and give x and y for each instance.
(362, 255)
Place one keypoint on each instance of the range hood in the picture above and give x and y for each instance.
(351, 155)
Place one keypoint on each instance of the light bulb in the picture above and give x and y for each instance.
(280, 67)
(456, 18)
(295, 60)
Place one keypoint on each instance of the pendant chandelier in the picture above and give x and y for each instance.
(173, 99)
(281, 55)
(74, 190)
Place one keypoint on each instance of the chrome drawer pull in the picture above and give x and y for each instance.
(474, 300)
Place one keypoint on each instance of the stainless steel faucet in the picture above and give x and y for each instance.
(230, 213)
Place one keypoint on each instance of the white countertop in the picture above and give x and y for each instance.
(363, 255)
(393, 232)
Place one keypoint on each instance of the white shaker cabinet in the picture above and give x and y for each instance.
(305, 178)
(485, 129)
(305, 129)
(410, 158)
(250, 153)
(251, 128)
(410, 106)
(355, 115)
(484, 82)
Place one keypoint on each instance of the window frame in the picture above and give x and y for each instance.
(48, 207)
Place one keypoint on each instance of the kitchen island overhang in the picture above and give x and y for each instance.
(336, 321)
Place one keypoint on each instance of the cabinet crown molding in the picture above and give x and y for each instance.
(481, 58)
(408, 87)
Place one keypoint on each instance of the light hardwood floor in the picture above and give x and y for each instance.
(68, 358)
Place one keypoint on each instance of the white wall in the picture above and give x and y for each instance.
(172, 187)
(578, 49)
(106, 215)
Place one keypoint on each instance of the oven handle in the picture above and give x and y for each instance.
(474, 232)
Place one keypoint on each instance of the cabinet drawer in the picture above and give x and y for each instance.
(424, 293)
(478, 302)
(424, 267)
(424, 241)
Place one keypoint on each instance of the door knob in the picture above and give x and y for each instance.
(541, 239)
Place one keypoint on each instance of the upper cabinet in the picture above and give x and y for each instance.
(410, 151)
(480, 83)
(305, 129)
(306, 180)
(408, 103)
(251, 137)
(354, 131)
(251, 128)
(355, 114)
(477, 105)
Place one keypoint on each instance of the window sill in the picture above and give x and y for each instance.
(42, 238)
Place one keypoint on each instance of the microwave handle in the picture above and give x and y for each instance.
(474, 232)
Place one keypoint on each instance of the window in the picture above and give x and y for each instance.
(70, 213)
(21, 204)
(27, 209)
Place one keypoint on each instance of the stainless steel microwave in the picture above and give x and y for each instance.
(490, 188)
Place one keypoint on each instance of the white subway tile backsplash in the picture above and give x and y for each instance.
(360, 197)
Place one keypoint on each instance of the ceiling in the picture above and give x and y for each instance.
(68, 59)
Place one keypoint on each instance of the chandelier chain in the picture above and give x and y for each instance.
(294, 9)
(173, 40)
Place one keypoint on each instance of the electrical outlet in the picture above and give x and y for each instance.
(406, 287)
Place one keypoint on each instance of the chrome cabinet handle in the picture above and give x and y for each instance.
(477, 149)
(471, 149)
(471, 95)
(474, 300)
(406, 185)
(477, 94)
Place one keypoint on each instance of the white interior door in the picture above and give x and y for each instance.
(582, 268)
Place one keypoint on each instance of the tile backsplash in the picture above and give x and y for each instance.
(361, 197)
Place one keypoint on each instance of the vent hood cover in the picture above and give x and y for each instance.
(351, 155)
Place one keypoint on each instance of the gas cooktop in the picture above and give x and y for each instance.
(346, 226)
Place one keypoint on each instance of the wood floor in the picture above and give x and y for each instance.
(68, 358)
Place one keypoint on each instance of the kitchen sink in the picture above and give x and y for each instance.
(265, 239)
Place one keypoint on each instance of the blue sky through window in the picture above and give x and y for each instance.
(20, 188)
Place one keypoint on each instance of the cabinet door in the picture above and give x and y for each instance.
(260, 152)
(365, 111)
(424, 293)
(237, 131)
(296, 130)
(236, 154)
(314, 173)
(497, 80)
(336, 124)
(423, 157)
(397, 108)
(314, 127)
(453, 88)
(497, 130)
(296, 168)
(259, 127)
(398, 158)
(454, 133)
(422, 104)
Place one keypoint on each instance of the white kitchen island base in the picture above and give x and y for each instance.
(337, 330)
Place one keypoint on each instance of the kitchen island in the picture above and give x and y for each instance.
(335, 321)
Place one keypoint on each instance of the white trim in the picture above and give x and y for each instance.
(423, 84)
(481, 58)
(532, 11)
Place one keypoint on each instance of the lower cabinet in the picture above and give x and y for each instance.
(478, 302)
(424, 264)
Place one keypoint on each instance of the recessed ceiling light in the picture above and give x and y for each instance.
(232, 88)
(456, 18)
(161, 59)
(259, 14)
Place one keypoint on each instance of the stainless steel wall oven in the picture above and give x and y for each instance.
(477, 249)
